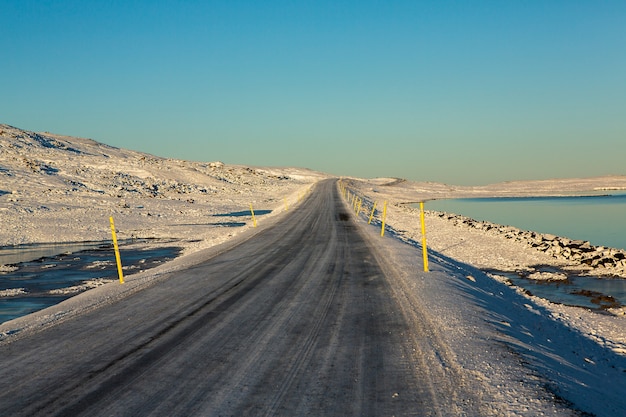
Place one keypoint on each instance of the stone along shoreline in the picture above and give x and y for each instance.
(580, 255)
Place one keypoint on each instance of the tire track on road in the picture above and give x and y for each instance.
(303, 319)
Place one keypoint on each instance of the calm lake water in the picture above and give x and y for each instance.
(599, 219)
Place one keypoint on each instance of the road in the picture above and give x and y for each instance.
(302, 319)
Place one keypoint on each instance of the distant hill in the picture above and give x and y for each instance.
(47, 180)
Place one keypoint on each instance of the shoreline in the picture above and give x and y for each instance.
(579, 256)
(488, 246)
(192, 252)
(498, 250)
(477, 248)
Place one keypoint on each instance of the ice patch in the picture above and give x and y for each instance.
(87, 285)
(12, 292)
(4, 269)
(99, 264)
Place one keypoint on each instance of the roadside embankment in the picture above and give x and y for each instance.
(501, 250)
(582, 255)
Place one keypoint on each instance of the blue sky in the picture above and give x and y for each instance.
(463, 92)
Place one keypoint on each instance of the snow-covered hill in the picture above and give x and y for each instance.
(57, 189)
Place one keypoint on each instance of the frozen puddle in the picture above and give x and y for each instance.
(40, 281)
(574, 290)
(243, 213)
(29, 252)
(235, 218)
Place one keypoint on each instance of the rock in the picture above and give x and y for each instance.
(577, 243)
(607, 262)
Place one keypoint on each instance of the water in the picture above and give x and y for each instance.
(34, 284)
(31, 251)
(599, 219)
(581, 291)
(244, 213)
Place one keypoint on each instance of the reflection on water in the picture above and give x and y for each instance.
(35, 284)
(581, 291)
(599, 219)
(28, 252)
(243, 213)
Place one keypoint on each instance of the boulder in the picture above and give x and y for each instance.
(577, 243)
(216, 164)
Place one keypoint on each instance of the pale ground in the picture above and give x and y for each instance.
(489, 250)
(60, 189)
(63, 189)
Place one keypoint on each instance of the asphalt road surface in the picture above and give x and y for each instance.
(299, 320)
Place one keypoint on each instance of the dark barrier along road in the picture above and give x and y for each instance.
(298, 320)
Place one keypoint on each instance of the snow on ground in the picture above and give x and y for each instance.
(581, 352)
(62, 189)
(57, 189)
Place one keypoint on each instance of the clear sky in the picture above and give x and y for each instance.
(462, 92)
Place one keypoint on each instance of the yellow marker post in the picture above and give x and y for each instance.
(382, 229)
(372, 213)
(286, 205)
(424, 250)
(359, 209)
(117, 251)
(253, 218)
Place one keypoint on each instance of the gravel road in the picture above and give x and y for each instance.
(302, 319)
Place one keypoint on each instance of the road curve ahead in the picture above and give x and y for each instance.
(299, 320)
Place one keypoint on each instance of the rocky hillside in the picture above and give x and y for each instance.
(585, 257)
(33, 161)
(50, 182)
